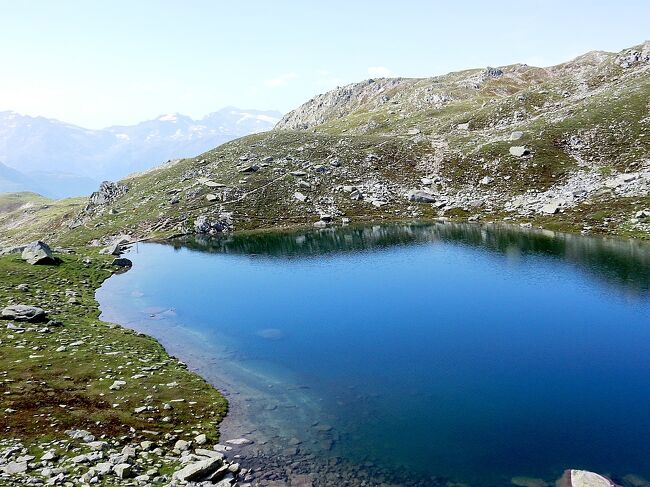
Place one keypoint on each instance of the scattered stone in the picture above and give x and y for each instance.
(117, 385)
(239, 441)
(249, 168)
(486, 180)
(123, 470)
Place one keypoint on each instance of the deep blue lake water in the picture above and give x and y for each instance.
(472, 352)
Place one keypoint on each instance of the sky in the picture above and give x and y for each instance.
(101, 63)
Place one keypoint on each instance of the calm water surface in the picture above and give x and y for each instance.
(469, 352)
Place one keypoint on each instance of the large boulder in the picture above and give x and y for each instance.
(418, 196)
(199, 470)
(122, 262)
(22, 312)
(38, 253)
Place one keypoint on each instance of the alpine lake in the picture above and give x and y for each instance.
(470, 353)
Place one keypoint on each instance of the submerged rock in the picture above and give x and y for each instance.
(38, 253)
(583, 478)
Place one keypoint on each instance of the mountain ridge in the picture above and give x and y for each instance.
(565, 147)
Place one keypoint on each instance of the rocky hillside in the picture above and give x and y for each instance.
(565, 147)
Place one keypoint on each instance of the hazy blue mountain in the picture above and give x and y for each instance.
(60, 159)
(50, 184)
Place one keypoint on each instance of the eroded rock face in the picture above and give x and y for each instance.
(108, 191)
(220, 223)
(23, 312)
(38, 253)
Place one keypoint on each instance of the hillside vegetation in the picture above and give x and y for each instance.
(565, 147)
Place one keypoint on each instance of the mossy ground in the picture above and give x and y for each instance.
(50, 391)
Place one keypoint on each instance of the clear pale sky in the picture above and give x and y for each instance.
(98, 63)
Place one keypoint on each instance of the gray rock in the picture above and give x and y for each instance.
(486, 180)
(122, 262)
(83, 435)
(123, 470)
(642, 214)
(516, 135)
(182, 445)
(552, 207)
(198, 470)
(15, 467)
(519, 151)
(38, 253)
(249, 168)
(23, 312)
(239, 441)
(202, 452)
(420, 196)
(299, 196)
(115, 248)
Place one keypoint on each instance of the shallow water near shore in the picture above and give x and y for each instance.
(469, 352)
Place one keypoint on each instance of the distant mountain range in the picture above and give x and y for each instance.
(58, 159)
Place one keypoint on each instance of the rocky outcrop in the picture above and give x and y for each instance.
(107, 192)
(213, 225)
(38, 253)
(340, 102)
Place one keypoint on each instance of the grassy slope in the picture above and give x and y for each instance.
(26, 216)
(591, 98)
(52, 390)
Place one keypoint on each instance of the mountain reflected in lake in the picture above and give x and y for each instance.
(621, 263)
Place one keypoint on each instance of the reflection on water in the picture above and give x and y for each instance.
(624, 263)
(477, 353)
